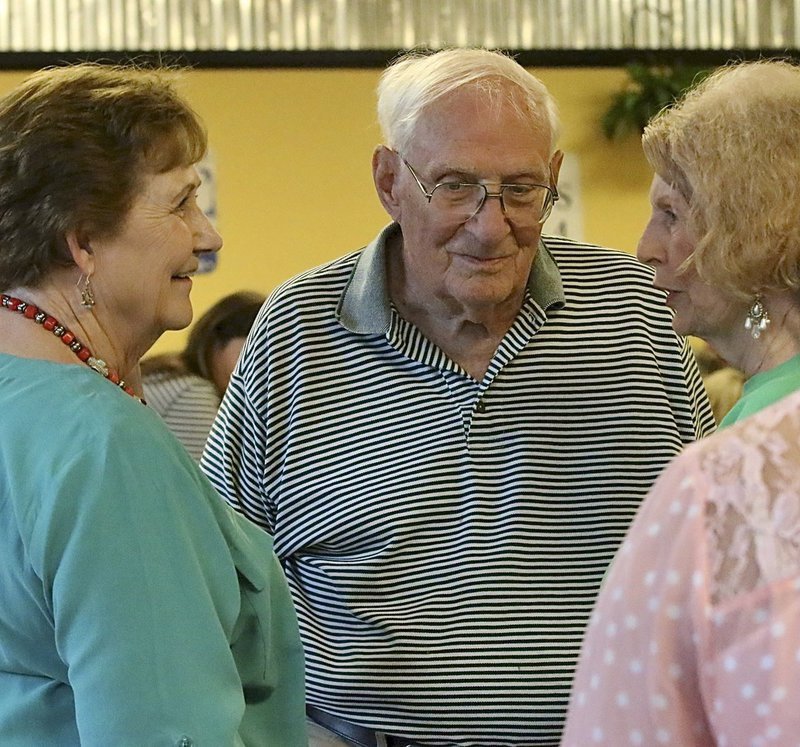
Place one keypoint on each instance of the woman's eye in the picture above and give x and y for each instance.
(185, 202)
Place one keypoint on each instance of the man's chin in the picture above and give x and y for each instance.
(483, 299)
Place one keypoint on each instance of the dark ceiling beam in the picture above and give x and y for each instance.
(378, 58)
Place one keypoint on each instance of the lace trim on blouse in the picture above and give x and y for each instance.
(753, 504)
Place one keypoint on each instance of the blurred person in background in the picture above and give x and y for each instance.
(135, 607)
(723, 383)
(186, 388)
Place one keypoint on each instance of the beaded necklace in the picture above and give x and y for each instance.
(50, 323)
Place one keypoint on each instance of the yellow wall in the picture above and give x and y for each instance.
(293, 149)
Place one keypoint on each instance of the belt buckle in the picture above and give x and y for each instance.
(387, 740)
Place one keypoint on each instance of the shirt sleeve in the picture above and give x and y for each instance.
(699, 405)
(751, 666)
(144, 592)
(636, 681)
(238, 447)
(188, 405)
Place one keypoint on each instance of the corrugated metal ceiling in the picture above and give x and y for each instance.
(236, 25)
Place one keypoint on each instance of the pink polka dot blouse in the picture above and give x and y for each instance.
(695, 638)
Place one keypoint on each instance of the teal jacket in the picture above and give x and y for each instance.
(136, 608)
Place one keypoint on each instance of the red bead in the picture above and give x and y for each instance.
(52, 324)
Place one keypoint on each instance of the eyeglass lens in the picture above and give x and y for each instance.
(524, 205)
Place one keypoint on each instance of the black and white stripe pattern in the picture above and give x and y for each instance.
(445, 539)
(188, 405)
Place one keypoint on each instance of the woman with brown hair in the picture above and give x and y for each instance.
(135, 607)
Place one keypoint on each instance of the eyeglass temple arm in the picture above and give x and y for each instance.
(554, 187)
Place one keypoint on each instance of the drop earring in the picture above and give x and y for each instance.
(84, 286)
(757, 318)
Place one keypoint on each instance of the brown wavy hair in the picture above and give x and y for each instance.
(230, 317)
(75, 142)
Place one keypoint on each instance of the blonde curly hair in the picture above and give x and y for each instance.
(731, 147)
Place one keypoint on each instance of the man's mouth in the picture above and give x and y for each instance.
(479, 259)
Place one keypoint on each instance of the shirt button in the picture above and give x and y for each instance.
(481, 406)
(184, 742)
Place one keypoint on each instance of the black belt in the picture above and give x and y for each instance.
(360, 735)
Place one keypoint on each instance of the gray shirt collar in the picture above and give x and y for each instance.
(365, 308)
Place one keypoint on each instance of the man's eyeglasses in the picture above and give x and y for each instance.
(524, 204)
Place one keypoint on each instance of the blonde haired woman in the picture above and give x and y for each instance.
(695, 638)
(724, 236)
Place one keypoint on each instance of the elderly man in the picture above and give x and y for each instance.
(448, 432)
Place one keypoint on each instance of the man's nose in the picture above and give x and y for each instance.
(490, 219)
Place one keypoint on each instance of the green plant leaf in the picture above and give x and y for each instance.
(648, 90)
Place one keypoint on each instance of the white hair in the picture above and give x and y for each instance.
(417, 79)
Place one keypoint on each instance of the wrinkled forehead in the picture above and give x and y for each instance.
(662, 189)
(469, 119)
(492, 98)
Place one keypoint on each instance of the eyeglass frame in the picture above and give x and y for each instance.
(551, 188)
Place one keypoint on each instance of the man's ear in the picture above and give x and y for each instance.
(384, 173)
(555, 165)
(80, 250)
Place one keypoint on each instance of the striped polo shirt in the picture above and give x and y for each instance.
(445, 538)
